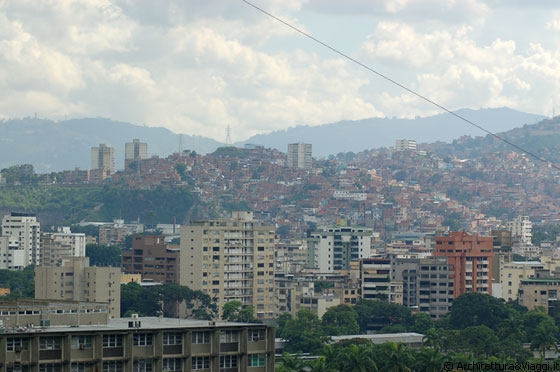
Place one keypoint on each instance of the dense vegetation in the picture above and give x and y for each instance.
(21, 283)
(65, 205)
(165, 300)
(478, 327)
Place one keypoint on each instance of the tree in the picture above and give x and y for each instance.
(421, 323)
(340, 320)
(358, 358)
(304, 333)
(471, 309)
(374, 315)
(395, 357)
(429, 360)
(234, 311)
(103, 255)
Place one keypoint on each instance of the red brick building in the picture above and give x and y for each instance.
(470, 258)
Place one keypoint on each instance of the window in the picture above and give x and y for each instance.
(172, 338)
(143, 339)
(227, 337)
(255, 360)
(79, 367)
(82, 342)
(17, 344)
(50, 343)
(113, 366)
(200, 363)
(201, 337)
(112, 341)
(143, 365)
(256, 335)
(172, 364)
(228, 361)
(50, 368)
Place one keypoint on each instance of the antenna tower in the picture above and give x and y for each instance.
(228, 135)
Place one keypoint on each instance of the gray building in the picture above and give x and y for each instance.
(300, 155)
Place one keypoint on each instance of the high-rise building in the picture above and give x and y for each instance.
(24, 241)
(75, 280)
(470, 257)
(333, 248)
(405, 145)
(375, 275)
(231, 259)
(134, 151)
(103, 159)
(152, 259)
(62, 244)
(300, 155)
(521, 230)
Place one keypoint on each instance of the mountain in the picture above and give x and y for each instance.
(355, 136)
(55, 146)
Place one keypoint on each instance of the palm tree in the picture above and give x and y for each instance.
(543, 340)
(290, 363)
(396, 357)
(429, 360)
(358, 358)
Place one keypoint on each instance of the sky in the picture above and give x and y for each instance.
(198, 67)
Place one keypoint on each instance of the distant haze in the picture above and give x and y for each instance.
(55, 146)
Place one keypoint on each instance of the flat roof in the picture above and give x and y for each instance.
(122, 324)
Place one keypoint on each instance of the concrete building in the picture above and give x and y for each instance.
(134, 151)
(521, 230)
(470, 258)
(231, 259)
(103, 158)
(300, 155)
(23, 246)
(405, 145)
(62, 244)
(116, 232)
(539, 292)
(376, 283)
(333, 248)
(512, 273)
(151, 259)
(427, 284)
(138, 344)
(75, 280)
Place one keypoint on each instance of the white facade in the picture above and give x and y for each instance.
(24, 247)
(135, 150)
(300, 155)
(521, 230)
(405, 145)
(62, 244)
(334, 248)
(103, 158)
(11, 256)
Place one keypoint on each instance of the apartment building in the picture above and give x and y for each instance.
(134, 151)
(427, 283)
(542, 292)
(334, 248)
(470, 257)
(231, 259)
(57, 246)
(139, 344)
(23, 246)
(405, 145)
(511, 275)
(376, 283)
(103, 159)
(116, 232)
(151, 258)
(300, 155)
(75, 280)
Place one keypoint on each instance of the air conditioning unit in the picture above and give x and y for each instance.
(134, 316)
(17, 349)
(81, 346)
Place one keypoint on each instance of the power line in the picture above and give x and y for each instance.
(370, 69)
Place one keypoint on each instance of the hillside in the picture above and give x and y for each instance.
(355, 136)
(55, 146)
